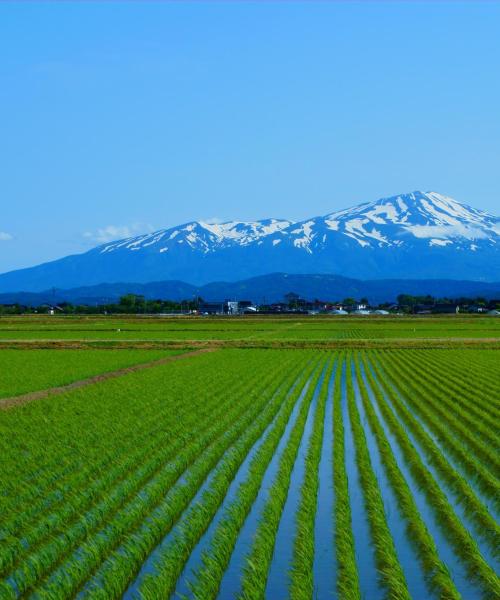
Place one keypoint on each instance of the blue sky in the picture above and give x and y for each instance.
(119, 118)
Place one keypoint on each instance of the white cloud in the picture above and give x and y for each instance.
(111, 233)
(5, 237)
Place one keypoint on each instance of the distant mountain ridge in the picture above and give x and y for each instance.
(415, 236)
(265, 288)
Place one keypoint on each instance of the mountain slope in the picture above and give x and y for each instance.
(416, 235)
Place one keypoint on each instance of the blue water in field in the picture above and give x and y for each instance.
(456, 568)
(231, 583)
(278, 579)
(195, 559)
(405, 551)
(171, 538)
(453, 499)
(365, 557)
(324, 566)
(488, 502)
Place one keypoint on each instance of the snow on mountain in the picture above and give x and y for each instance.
(411, 236)
(404, 220)
(198, 235)
(397, 221)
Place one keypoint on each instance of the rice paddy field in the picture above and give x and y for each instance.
(306, 458)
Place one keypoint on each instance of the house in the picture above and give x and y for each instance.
(474, 308)
(213, 308)
(423, 309)
(232, 308)
(446, 309)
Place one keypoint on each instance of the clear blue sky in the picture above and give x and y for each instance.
(119, 118)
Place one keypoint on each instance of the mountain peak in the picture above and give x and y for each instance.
(413, 235)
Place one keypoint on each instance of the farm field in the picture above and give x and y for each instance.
(248, 328)
(254, 473)
(30, 370)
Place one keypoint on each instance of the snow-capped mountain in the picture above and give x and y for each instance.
(201, 236)
(403, 221)
(416, 235)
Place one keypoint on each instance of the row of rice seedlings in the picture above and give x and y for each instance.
(474, 509)
(483, 366)
(478, 418)
(214, 561)
(471, 390)
(347, 572)
(448, 398)
(278, 578)
(42, 493)
(214, 416)
(258, 561)
(230, 583)
(478, 396)
(129, 515)
(23, 538)
(485, 481)
(436, 573)
(301, 574)
(324, 564)
(107, 494)
(464, 545)
(390, 571)
(100, 512)
(437, 402)
(116, 574)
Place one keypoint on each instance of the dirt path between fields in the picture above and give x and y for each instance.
(6, 403)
